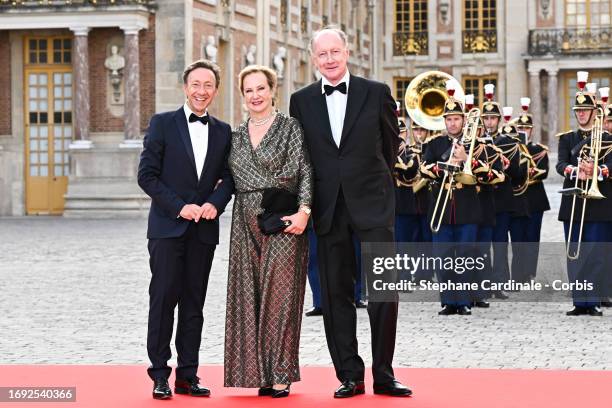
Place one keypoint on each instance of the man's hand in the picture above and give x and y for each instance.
(588, 168)
(299, 220)
(209, 212)
(459, 154)
(191, 212)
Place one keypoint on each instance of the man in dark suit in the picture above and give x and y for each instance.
(183, 168)
(351, 132)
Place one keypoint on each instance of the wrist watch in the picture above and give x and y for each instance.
(305, 209)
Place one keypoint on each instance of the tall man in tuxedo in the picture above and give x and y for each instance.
(351, 132)
(183, 168)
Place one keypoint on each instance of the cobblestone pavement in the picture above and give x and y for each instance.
(75, 292)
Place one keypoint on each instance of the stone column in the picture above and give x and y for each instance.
(132, 88)
(553, 107)
(535, 93)
(81, 81)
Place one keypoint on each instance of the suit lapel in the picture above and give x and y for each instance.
(319, 106)
(213, 128)
(181, 122)
(357, 95)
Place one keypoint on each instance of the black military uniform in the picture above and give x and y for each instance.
(461, 217)
(591, 264)
(537, 201)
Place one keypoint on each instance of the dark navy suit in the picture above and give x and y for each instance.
(181, 251)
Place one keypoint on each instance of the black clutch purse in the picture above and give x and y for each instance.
(277, 203)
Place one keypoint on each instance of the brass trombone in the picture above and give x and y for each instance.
(591, 187)
(470, 132)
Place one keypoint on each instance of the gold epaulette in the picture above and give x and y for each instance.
(543, 146)
(564, 133)
(432, 137)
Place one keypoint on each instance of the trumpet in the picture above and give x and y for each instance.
(457, 174)
(590, 189)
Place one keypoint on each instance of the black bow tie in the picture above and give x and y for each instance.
(341, 87)
(194, 118)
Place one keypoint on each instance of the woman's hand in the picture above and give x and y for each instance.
(299, 220)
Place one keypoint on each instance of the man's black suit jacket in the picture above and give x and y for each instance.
(362, 165)
(167, 173)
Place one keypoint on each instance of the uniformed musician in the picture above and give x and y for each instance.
(537, 199)
(576, 161)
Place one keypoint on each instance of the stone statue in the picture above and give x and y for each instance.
(115, 64)
(210, 50)
(250, 55)
(279, 61)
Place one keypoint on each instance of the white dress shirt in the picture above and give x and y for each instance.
(336, 106)
(198, 132)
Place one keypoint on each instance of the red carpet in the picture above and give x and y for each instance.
(128, 386)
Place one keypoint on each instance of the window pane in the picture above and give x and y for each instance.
(42, 79)
(67, 104)
(33, 117)
(58, 171)
(34, 131)
(68, 131)
(67, 117)
(57, 78)
(43, 58)
(33, 145)
(67, 43)
(34, 171)
(33, 79)
(67, 92)
(57, 158)
(67, 79)
(44, 171)
(57, 105)
(67, 57)
(44, 158)
(57, 117)
(33, 106)
(43, 117)
(44, 145)
(33, 44)
(44, 107)
(44, 131)
(34, 158)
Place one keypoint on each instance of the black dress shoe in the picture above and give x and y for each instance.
(315, 311)
(190, 386)
(594, 311)
(464, 311)
(481, 303)
(500, 295)
(281, 393)
(360, 304)
(350, 388)
(265, 391)
(448, 310)
(394, 389)
(577, 311)
(161, 389)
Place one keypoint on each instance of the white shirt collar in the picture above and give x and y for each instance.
(345, 78)
(188, 111)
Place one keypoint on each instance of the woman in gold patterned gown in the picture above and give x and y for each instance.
(267, 273)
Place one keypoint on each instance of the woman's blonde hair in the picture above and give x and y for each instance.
(252, 69)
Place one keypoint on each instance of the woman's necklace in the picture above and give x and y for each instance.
(261, 122)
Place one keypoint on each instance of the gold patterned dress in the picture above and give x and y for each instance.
(267, 274)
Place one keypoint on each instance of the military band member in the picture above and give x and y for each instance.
(462, 214)
(495, 159)
(537, 199)
(506, 204)
(608, 128)
(575, 161)
(406, 174)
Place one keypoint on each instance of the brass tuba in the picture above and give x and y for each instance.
(425, 98)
